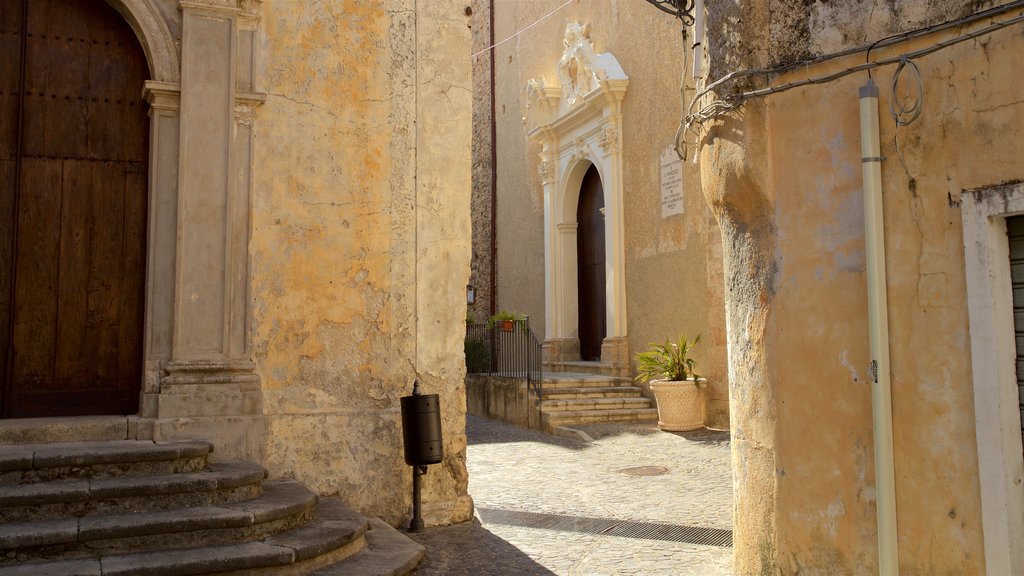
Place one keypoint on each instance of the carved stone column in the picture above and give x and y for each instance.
(209, 387)
(165, 132)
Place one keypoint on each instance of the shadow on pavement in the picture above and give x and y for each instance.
(700, 436)
(469, 549)
(481, 430)
(705, 436)
(485, 431)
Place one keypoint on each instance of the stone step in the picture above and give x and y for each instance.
(335, 533)
(550, 420)
(283, 505)
(592, 392)
(67, 429)
(580, 380)
(578, 367)
(223, 483)
(585, 404)
(28, 463)
(388, 553)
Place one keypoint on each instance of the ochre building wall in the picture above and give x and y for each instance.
(783, 175)
(360, 249)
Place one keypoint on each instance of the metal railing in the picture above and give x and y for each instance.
(509, 349)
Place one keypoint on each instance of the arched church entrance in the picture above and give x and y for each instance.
(590, 265)
(74, 138)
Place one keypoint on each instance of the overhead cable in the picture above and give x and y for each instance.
(518, 32)
(731, 102)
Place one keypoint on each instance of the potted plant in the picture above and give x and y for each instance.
(677, 388)
(506, 320)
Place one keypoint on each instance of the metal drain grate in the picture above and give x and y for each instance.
(609, 527)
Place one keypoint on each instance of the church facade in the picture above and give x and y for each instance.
(245, 222)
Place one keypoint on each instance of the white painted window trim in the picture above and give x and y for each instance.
(997, 416)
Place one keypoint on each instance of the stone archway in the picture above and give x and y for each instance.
(154, 36)
(579, 125)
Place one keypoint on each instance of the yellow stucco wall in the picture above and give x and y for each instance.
(784, 173)
(672, 265)
(360, 249)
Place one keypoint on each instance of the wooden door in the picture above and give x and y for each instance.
(590, 265)
(73, 153)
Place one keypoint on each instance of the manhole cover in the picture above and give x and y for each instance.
(644, 471)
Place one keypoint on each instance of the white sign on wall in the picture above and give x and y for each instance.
(671, 183)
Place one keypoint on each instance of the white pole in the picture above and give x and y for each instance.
(878, 321)
(698, 39)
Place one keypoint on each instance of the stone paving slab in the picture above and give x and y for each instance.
(517, 470)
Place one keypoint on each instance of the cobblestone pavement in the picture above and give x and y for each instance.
(520, 480)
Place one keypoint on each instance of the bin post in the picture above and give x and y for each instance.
(421, 436)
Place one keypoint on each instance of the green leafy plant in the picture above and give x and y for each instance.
(503, 316)
(669, 361)
(478, 357)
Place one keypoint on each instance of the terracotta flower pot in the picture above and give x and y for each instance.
(508, 325)
(680, 404)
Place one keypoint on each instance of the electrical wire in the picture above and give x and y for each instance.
(903, 113)
(887, 41)
(680, 138)
(517, 33)
(906, 109)
(725, 104)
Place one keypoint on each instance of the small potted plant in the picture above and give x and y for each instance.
(677, 388)
(506, 320)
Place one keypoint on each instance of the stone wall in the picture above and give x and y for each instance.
(360, 248)
(482, 264)
(501, 398)
(783, 176)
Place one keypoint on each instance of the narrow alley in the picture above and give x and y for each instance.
(633, 500)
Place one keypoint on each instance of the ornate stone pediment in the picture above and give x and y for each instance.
(582, 75)
(576, 67)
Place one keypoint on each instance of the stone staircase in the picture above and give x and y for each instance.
(588, 395)
(131, 507)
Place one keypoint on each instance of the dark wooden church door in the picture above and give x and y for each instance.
(73, 160)
(590, 265)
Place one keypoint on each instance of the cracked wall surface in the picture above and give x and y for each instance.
(360, 245)
(783, 176)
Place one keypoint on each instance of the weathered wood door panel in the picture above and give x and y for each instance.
(11, 16)
(590, 263)
(73, 153)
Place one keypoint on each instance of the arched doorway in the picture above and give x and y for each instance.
(73, 193)
(590, 261)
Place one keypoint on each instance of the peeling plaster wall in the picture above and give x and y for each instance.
(360, 247)
(784, 177)
(673, 265)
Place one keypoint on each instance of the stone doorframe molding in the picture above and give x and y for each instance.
(578, 123)
(993, 350)
(200, 381)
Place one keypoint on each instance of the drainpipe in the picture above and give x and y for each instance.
(493, 273)
(878, 308)
(698, 39)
